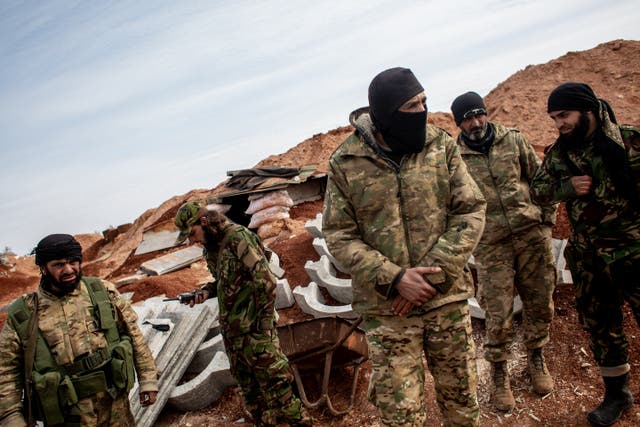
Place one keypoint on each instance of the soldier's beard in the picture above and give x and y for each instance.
(57, 287)
(212, 239)
(477, 133)
(579, 133)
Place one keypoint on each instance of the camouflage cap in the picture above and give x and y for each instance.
(186, 216)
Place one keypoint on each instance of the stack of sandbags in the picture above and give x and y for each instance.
(269, 212)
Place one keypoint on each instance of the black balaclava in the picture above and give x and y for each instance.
(403, 132)
(57, 246)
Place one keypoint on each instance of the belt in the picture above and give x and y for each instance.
(88, 363)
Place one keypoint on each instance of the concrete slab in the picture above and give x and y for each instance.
(130, 279)
(322, 273)
(157, 240)
(284, 297)
(314, 226)
(320, 245)
(206, 387)
(173, 351)
(311, 302)
(172, 262)
(478, 313)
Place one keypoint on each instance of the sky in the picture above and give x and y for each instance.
(109, 108)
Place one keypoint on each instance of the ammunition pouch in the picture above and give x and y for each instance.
(122, 366)
(46, 386)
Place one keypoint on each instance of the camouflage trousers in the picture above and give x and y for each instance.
(601, 291)
(396, 347)
(264, 375)
(523, 262)
(101, 410)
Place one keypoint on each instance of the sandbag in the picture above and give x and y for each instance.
(272, 229)
(268, 215)
(272, 198)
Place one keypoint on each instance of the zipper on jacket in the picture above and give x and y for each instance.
(405, 225)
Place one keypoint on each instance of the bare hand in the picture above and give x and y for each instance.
(148, 398)
(414, 288)
(401, 306)
(581, 184)
(200, 296)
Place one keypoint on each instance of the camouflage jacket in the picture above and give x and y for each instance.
(605, 221)
(380, 217)
(504, 176)
(245, 286)
(67, 325)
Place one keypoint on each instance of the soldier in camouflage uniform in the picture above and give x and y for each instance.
(77, 374)
(402, 213)
(594, 167)
(515, 248)
(245, 288)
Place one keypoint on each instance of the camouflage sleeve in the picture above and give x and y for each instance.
(465, 223)
(251, 255)
(552, 182)
(530, 163)
(128, 324)
(345, 243)
(10, 377)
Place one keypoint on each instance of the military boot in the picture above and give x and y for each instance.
(617, 399)
(540, 377)
(502, 396)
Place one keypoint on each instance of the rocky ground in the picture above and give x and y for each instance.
(612, 69)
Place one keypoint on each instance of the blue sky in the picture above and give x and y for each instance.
(109, 108)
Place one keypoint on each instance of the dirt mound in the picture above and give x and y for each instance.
(612, 69)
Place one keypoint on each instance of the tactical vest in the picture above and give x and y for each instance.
(58, 388)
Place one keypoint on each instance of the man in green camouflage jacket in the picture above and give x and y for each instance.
(594, 167)
(245, 288)
(84, 360)
(515, 248)
(402, 213)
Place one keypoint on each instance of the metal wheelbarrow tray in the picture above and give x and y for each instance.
(332, 342)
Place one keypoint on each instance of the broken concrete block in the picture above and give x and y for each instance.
(274, 265)
(172, 262)
(205, 353)
(205, 388)
(284, 297)
(322, 273)
(557, 247)
(314, 226)
(173, 351)
(320, 245)
(311, 302)
(478, 313)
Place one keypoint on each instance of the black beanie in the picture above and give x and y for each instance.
(466, 105)
(57, 246)
(572, 96)
(388, 91)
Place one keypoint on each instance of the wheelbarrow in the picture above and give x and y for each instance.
(328, 343)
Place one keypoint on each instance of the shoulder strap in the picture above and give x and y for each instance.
(104, 310)
(26, 324)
